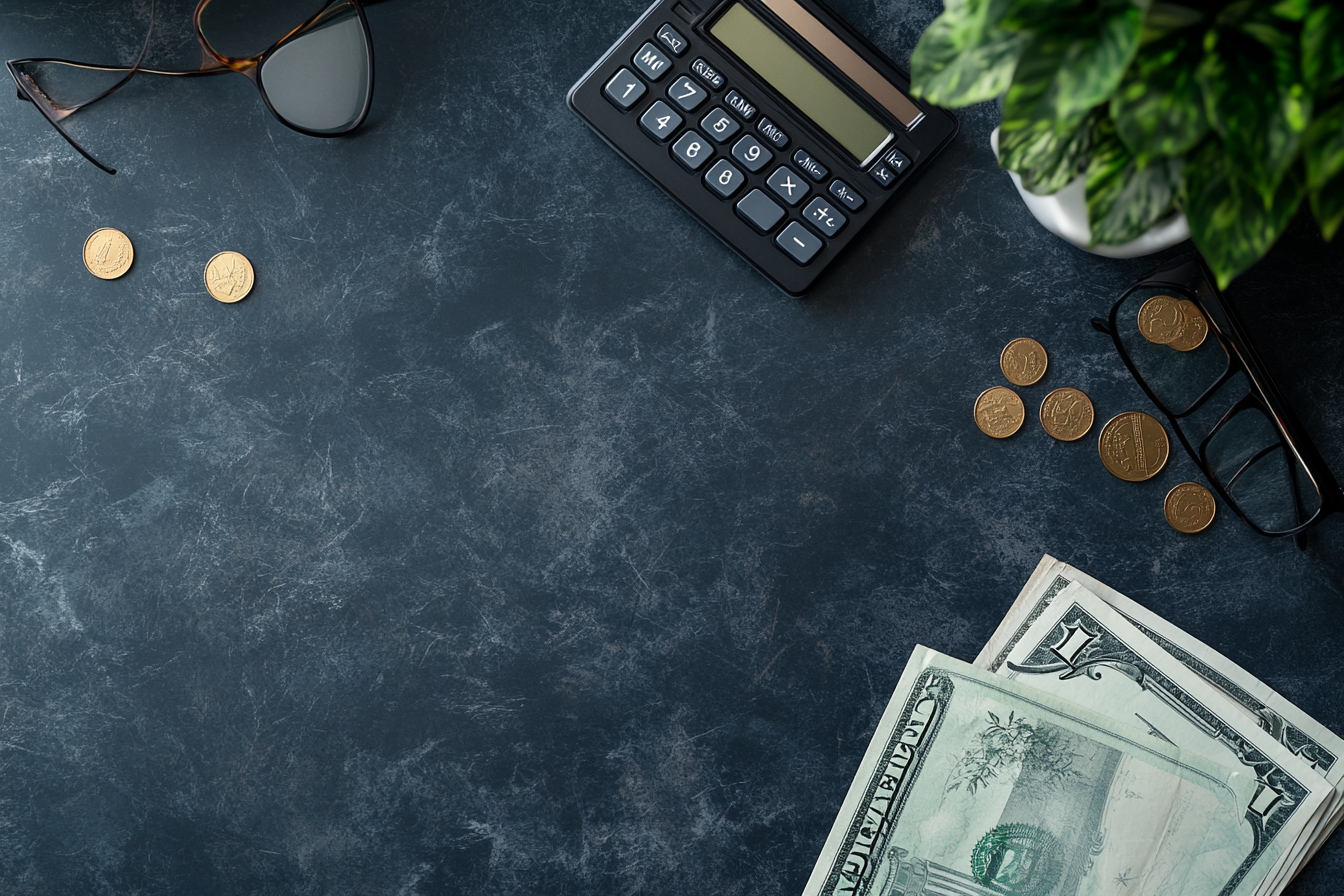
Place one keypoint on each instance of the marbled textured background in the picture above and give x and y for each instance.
(514, 536)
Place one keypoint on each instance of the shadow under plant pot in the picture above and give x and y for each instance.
(1065, 215)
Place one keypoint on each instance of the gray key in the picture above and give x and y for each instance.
(724, 179)
(652, 62)
(692, 150)
(719, 125)
(660, 122)
(847, 194)
(625, 89)
(687, 94)
(759, 210)
(672, 39)
(752, 154)
(823, 216)
(788, 185)
(800, 245)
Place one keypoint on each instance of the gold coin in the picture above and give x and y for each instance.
(229, 277)
(999, 412)
(1023, 361)
(1066, 414)
(108, 253)
(1133, 446)
(1189, 507)
(1161, 319)
(1195, 330)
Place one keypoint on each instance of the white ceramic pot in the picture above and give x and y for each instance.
(1065, 215)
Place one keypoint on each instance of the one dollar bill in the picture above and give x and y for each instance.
(979, 786)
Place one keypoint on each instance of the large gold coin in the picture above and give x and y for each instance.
(1161, 319)
(1189, 507)
(999, 412)
(229, 277)
(1066, 414)
(1023, 361)
(1133, 446)
(108, 253)
(1194, 331)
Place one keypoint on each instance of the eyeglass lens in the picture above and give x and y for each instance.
(318, 79)
(1245, 454)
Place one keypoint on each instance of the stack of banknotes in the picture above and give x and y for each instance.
(1092, 748)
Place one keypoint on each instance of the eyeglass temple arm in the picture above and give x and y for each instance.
(25, 92)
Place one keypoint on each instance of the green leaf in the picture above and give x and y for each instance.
(1077, 64)
(1293, 10)
(1327, 204)
(1159, 108)
(1323, 45)
(1324, 147)
(1230, 223)
(1124, 199)
(965, 57)
(1164, 18)
(1259, 119)
(1047, 160)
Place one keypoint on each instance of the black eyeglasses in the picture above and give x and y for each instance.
(1227, 412)
(314, 69)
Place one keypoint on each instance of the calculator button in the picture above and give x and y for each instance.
(672, 39)
(801, 245)
(740, 104)
(724, 179)
(896, 161)
(625, 89)
(788, 185)
(847, 195)
(719, 125)
(707, 73)
(760, 211)
(810, 166)
(751, 153)
(660, 122)
(651, 62)
(687, 94)
(820, 214)
(771, 132)
(884, 176)
(692, 150)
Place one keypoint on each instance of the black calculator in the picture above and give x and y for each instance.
(771, 121)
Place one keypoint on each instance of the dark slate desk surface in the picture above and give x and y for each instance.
(514, 536)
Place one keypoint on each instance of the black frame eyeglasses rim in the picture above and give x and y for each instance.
(213, 64)
(1225, 326)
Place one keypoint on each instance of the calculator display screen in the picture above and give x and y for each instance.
(800, 82)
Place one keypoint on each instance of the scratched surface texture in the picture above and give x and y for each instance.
(514, 536)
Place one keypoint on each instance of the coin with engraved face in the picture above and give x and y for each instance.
(1194, 331)
(1161, 319)
(999, 412)
(108, 253)
(1066, 414)
(1023, 361)
(1133, 446)
(229, 277)
(1189, 507)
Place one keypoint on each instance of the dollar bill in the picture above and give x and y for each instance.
(976, 785)
(1079, 648)
(1260, 704)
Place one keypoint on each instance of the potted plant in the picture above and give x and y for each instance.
(1230, 111)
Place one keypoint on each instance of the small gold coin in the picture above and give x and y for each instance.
(999, 412)
(1023, 361)
(108, 253)
(229, 277)
(1189, 507)
(1066, 414)
(1195, 330)
(1161, 319)
(1133, 446)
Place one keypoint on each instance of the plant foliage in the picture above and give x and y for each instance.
(1231, 111)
